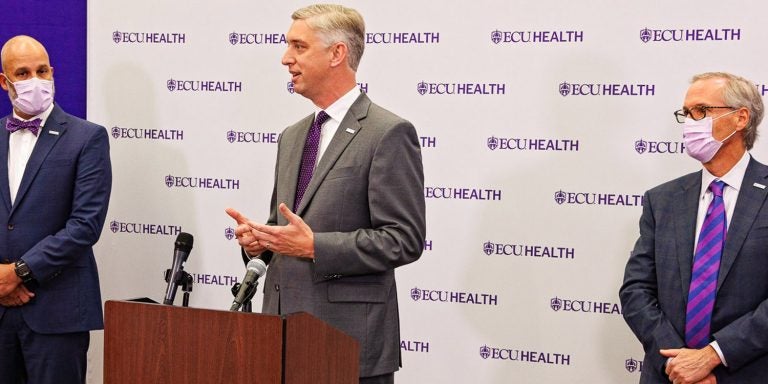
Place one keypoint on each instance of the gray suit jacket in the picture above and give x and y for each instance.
(365, 205)
(658, 275)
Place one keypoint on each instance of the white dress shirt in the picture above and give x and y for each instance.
(336, 111)
(20, 146)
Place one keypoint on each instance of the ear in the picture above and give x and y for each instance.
(743, 118)
(339, 53)
(3, 80)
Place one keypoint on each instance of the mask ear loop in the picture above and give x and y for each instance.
(734, 131)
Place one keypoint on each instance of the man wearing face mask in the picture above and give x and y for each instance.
(55, 182)
(695, 288)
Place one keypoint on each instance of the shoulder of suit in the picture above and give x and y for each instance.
(384, 116)
(73, 121)
(676, 184)
(303, 123)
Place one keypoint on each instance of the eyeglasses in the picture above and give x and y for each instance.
(696, 113)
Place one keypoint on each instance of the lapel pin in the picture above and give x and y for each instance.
(350, 130)
(758, 185)
(53, 132)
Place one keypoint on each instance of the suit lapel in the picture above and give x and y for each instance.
(348, 129)
(685, 212)
(54, 128)
(5, 189)
(748, 204)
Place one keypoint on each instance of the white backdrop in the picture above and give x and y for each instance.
(534, 171)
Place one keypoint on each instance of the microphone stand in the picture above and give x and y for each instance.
(185, 280)
(186, 286)
(246, 307)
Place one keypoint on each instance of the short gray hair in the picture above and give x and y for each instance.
(337, 23)
(739, 92)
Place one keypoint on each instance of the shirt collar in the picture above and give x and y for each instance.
(733, 178)
(340, 107)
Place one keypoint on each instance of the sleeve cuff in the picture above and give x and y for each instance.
(719, 352)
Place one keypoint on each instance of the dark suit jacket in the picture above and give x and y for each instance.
(58, 214)
(365, 205)
(658, 275)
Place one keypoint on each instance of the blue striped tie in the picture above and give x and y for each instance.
(706, 264)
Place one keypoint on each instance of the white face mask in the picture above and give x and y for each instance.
(697, 136)
(33, 96)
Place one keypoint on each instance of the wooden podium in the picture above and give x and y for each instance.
(154, 343)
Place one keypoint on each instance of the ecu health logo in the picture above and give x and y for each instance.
(632, 365)
(560, 197)
(493, 143)
(485, 352)
(415, 294)
(556, 304)
(641, 146)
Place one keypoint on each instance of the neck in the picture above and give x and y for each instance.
(725, 159)
(22, 114)
(334, 89)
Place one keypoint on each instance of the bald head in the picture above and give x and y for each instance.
(21, 47)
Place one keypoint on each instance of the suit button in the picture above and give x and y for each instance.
(10, 227)
(277, 287)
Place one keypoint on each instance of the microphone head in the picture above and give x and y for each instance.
(184, 242)
(257, 265)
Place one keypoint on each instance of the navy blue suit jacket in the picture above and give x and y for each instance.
(57, 217)
(658, 275)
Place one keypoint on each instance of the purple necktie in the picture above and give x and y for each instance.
(706, 264)
(13, 124)
(309, 156)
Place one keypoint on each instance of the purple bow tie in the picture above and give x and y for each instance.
(13, 124)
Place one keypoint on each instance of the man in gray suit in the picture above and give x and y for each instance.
(695, 288)
(348, 200)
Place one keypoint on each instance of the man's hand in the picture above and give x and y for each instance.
(18, 297)
(690, 366)
(244, 234)
(710, 379)
(294, 239)
(8, 279)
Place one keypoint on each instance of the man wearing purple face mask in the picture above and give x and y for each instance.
(55, 182)
(695, 289)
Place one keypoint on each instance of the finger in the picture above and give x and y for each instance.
(235, 214)
(670, 352)
(242, 230)
(290, 216)
(261, 231)
(26, 291)
(254, 248)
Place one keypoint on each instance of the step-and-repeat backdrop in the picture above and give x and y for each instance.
(541, 123)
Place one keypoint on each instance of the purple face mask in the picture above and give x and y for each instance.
(697, 136)
(33, 96)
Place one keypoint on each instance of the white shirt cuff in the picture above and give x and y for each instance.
(719, 352)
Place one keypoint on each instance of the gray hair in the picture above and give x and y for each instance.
(337, 23)
(739, 92)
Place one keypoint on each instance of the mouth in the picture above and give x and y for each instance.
(294, 75)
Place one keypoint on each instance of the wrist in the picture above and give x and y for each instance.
(714, 357)
(23, 273)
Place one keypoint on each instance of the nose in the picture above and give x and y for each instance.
(287, 58)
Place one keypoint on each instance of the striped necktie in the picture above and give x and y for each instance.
(706, 264)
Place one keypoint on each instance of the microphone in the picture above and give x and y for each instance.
(181, 251)
(255, 269)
